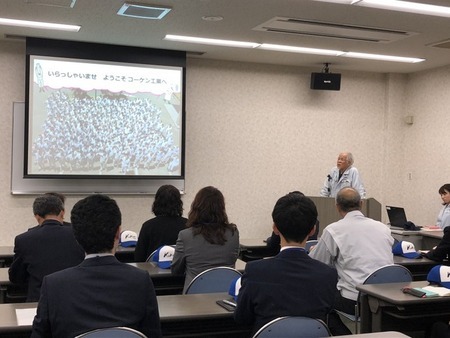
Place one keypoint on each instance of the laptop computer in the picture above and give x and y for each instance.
(397, 217)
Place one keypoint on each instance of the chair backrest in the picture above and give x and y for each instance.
(213, 280)
(150, 258)
(389, 274)
(113, 332)
(310, 244)
(293, 327)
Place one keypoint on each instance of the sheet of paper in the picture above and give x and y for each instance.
(431, 228)
(441, 291)
(25, 316)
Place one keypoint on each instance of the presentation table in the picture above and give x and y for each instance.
(385, 307)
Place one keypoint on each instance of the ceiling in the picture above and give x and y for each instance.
(100, 23)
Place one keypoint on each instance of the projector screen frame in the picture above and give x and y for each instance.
(119, 184)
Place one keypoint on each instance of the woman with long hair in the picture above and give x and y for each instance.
(210, 239)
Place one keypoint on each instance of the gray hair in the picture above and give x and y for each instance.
(350, 158)
(348, 199)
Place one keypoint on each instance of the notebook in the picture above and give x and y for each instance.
(397, 216)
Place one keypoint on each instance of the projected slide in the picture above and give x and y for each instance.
(97, 118)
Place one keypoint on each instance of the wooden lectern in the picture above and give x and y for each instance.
(326, 207)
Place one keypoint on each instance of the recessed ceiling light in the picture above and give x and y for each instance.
(143, 11)
(303, 50)
(291, 49)
(207, 41)
(382, 57)
(54, 3)
(212, 18)
(397, 5)
(37, 24)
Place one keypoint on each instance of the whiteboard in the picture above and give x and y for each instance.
(31, 186)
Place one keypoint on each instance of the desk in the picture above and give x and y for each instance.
(181, 316)
(386, 334)
(125, 255)
(422, 239)
(385, 307)
(6, 255)
(252, 249)
(415, 237)
(164, 281)
(419, 267)
(430, 238)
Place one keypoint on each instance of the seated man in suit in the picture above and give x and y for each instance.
(274, 242)
(291, 283)
(63, 200)
(44, 249)
(100, 292)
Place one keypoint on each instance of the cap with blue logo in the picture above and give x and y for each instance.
(235, 287)
(128, 238)
(163, 256)
(405, 249)
(440, 274)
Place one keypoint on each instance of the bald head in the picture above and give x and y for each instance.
(348, 199)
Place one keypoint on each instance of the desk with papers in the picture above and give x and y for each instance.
(385, 307)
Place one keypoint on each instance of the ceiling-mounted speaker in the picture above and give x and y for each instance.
(326, 81)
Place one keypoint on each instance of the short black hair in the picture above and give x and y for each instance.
(294, 216)
(95, 220)
(47, 205)
(167, 201)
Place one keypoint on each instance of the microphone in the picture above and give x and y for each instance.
(329, 180)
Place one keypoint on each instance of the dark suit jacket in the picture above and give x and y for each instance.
(100, 292)
(442, 249)
(289, 284)
(158, 231)
(43, 250)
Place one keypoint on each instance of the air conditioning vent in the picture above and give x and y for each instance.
(441, 44)
(331, 30)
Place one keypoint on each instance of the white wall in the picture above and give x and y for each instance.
(257, 132)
